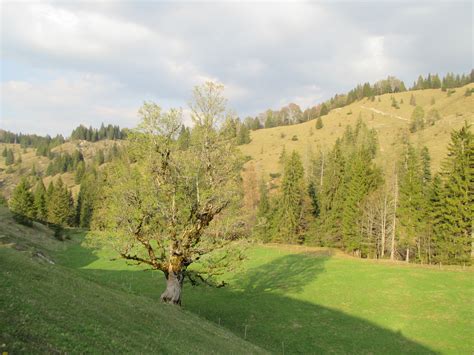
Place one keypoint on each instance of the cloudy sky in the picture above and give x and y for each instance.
(70, 62)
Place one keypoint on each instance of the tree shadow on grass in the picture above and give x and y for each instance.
(258, 306)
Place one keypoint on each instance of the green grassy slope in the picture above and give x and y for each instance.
(312, 300)
(53, 308)
(390, 123)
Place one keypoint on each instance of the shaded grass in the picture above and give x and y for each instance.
(302, 302)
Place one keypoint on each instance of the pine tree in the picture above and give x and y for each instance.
(290, 204)
(10, 157)
(243, 137)
(324, 110)
(454, 231)
(21, 203)
(40, 204)
(411, 202)
(4, 152)
(319, 123)
(412, 100)
(80, 171)
(59, 205)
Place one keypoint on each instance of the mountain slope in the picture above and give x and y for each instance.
(391, 124)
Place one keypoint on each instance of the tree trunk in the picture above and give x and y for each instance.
(395, 200)
(408, 255)
(174, 287)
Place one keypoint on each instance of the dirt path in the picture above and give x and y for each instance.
(384, 113)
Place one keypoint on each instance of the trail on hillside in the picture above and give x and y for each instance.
(384, 113)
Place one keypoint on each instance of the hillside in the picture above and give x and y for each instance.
(391, 124)
(286, 299)
(48, 307)
(10, 176)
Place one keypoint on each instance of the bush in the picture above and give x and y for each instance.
(319, 123)
(294, 138)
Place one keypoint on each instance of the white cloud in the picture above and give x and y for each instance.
(70, 62)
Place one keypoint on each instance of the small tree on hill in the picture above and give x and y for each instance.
(417, 119)
(21, 203)
(319, 123)
(412, 100)
(10, 157)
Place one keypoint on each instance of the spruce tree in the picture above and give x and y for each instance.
(40, 204)
(290, 204)
(59, 206)
(411, 202)
(21, 203)
(454, 231)
(324, 110)
(243, 136)
(10, 157)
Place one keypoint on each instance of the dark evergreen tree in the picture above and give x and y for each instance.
(324, 110)
(313, 195)
(290, 203)
(412, 206)
(21, 203)
(453, 230)
(59, 205)
(40, 203)
(243, 136)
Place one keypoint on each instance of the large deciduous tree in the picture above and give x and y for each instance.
(159, 199)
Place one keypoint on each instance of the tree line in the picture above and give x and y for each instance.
(344, 201)
(110, 132)
(30, 140)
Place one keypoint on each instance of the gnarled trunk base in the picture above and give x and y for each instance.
(174, 287)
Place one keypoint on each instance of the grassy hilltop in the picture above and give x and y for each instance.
(391, 124)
